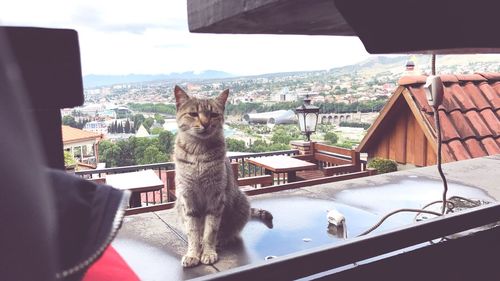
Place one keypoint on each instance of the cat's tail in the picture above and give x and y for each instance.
(264, 216)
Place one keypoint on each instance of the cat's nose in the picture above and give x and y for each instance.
(204, 120)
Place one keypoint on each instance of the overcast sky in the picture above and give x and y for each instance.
(152, 37)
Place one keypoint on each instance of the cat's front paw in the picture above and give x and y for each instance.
(209, 258)
(190, 261)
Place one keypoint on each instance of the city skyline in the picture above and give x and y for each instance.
(152, 37)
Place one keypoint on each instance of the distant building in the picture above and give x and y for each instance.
(83, 145)
(122, 112)
(272, 117)
(66, 112)
(318, 99)
(99, 127)
(142, 132)
(91, 109)
(405, 131)
(411, 67)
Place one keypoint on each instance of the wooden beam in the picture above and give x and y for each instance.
(330, 171)
(420, 147)
(421, 120)
(299, 184)
(264, 180)
(332, 149)
(411, 125)
(235, 167)
(308, 17)
(374, 129)
(331, 159)
(400, 131)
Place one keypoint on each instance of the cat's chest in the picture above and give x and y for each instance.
(199, 170)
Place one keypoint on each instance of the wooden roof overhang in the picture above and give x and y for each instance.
(384, 26)
(382, 123)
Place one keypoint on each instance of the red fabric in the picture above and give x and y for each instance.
(110, 266)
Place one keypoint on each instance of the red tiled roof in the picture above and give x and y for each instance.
(71, 134)
(469, 114)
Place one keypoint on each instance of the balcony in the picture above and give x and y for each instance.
(303, 244)
(331, 164)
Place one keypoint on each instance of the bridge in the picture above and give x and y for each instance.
(336, 118)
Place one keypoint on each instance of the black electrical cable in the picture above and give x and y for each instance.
(439, 159)
(440, 170)
(395, 212)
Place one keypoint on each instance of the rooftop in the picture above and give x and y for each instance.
(153, 243)
(469, 114)
(71, 134)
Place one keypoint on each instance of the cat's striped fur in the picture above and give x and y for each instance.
(211, 206)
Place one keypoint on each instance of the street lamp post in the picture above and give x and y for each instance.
(308, 117)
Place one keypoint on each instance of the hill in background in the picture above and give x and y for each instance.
(445, 64)
(91, 81)
(394, 64)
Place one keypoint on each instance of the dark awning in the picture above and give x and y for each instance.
(384, 26)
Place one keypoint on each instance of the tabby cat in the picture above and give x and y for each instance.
(212, 208)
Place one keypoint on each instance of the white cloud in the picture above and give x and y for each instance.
(151, 36)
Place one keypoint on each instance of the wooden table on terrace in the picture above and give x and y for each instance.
(282, 164)
(136, 182)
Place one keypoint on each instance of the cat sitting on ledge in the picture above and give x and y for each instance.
(212, 208)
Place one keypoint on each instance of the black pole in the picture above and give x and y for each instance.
(308, 136)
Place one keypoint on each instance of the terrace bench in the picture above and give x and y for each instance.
(330, 161)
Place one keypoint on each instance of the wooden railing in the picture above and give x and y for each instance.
(248, 170)
(163, 199)
(149, 198)
(332, 161)
(252, 178)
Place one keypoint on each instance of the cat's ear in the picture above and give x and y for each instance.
(180, 96)
(222, 98)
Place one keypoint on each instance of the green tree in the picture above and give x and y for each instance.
(140, 146)
(69, 160)
(148, 123)
(331, 138)
(109, 153)
(127, 127)
(69, 121)
(166, 141)
(235, 145)
(127, 149)
(153, 107)
(355, 124)
(157, 130)
(134, 151)
(159, 119)
(259, 146)
(153, 155)
(138, 120)
(283, 134)
(81, 123)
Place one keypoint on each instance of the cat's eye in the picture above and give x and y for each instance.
(193, 114)
(214, 114)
